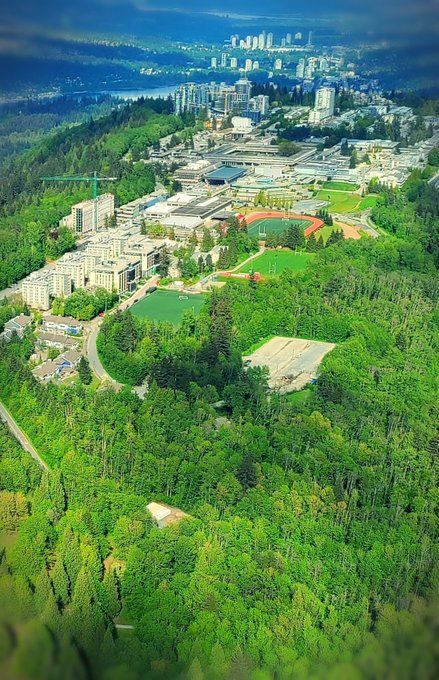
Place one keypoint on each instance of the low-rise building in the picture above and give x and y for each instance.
(62, 324)
(47, 371)
(57, 340)
(19, 325)
(193, 173)
(68, 361)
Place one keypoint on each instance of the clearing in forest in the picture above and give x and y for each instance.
(168, 305)
(292, 362)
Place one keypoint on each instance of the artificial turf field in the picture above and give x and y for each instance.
(274, 225)
(274, 262)
(167, 305)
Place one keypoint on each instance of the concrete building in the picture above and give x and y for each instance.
(255, 42)
(270, 40)
(193, 173)
(248, 64)
(36, 290)
(214, 62)
(89, 216)
(121, 276)
(261, 41)
(132, 210)
(233, 62)
(148, 252)
(72, 265)
(224, 60)
(278, 64)
(324, 105)
(61, 284)
(300, 68)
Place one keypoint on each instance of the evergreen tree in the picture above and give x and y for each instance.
(164, 264)
(43, 588)
(311, 244)
(247, 473)
(207, 242)
(209, 262)
(84, 371)
(60, 582)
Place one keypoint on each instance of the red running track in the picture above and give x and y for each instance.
(316, 222)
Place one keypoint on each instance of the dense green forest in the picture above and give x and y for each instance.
(311, 550)
(115, 145)
(24, 123)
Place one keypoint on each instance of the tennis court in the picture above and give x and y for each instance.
(167, 305)
(274, 225)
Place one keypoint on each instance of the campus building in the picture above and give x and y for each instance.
(36, 290)
(89, 216)
(121, 275)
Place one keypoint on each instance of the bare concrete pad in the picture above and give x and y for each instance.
(165, 515)
(292, 362)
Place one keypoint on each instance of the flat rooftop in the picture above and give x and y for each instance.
(225, 174)
(205, 207)
(292, 362)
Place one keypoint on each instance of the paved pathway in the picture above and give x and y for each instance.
(21, 436)
(363, 221)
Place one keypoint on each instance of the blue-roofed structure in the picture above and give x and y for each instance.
(224, 175)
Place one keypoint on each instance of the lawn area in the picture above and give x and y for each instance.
(341, 201)
(340, 186)
(167, 305)
(368, 201)
(345, 201)
(300, 397)
(274, 262)
(274, 225)
(325, 232)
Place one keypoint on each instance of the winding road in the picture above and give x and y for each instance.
(92, 332)
(21, 437)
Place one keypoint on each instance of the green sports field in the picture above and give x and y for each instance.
(274, 225)
(274, 262)
(344, 201)
(340, 186)
(167, 305)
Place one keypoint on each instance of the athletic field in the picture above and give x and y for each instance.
(274, 225)
(344, 201)
(274, 262)
(167, 305)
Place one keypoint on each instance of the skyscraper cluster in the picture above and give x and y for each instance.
(221, 99)
(264, 41)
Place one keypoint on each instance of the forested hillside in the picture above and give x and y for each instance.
(311, 550)
(115, 145)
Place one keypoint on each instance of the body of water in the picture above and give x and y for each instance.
(154, 92)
